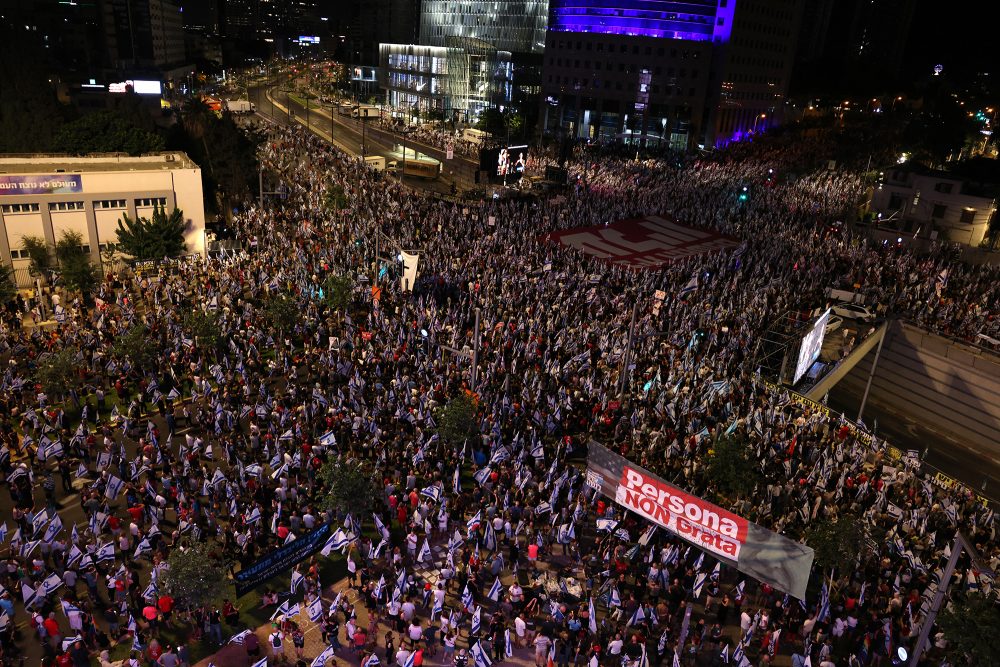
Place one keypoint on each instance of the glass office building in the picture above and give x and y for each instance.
(468, 75)
(517, 26)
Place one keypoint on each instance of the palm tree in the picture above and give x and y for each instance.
(197, 118)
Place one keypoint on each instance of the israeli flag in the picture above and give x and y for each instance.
(647, 535)
(433, 492)
(474, 521)
(638, 617)
(3, 532)
(606, 525)
(297, 580)
(238, 638)
(489, 537)
(494, 593)
(372, 661)
(114, 487)
(482, 475)
(438, 609)
(543, 508)
(467, 598)
(50, 584)
(328, 439)
(55, 527)
(425, 552)
(379, 588)
(476, 620)
(614, 598)
(699, 582)
(106, 552)
(254, 516)
(320, 660)
(479, 657)
(260, 663)
(508, 649)
(316, 609)
(725, 654)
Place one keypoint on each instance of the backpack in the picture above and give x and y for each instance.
(275, 640)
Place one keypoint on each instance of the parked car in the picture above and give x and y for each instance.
(853, 311)
(834, 323)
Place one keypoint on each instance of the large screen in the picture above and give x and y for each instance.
(812, 343)
(507, 163)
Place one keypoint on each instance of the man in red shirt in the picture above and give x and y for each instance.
(166, 605)
(52, 628)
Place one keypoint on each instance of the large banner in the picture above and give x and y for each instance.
(409, 275)
(755, 551)
(45, 184)
(281, 559)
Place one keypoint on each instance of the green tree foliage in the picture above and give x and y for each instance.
(157, 237)
(134, 346)
(281, 311)
(837, 543)
(971, 624)
(337, 292)
(106, 132)
(78, 272)
(57, 373)
(457, 420)
(195, 576)
(39, 255)
(335, 198)
(204, 328)
(8, 289)
(349, 486)
(731, 468)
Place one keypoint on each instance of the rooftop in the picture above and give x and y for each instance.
(41, 163)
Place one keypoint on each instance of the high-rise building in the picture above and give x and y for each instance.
(70, 34)
(681, 73)
(517, 26)
(144, 34)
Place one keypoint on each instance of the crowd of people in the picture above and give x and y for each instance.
(223, 444)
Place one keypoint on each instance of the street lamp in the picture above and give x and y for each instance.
(757, 118)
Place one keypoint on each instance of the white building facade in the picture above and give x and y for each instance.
(44, 196)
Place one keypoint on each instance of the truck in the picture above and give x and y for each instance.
(420, 168)
(376, 162)
(473, 136)
(241, 106)
(366, 111)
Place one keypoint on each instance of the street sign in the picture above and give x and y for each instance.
(450, 152)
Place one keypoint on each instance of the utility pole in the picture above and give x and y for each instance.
(260, 186)
(927, 622)
(628, 349)
(475, 353)
(871, 374)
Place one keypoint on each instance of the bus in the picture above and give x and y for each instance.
(419, 168)
(473, 136)
(345, 108)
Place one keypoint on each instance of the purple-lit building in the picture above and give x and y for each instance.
(657, 71)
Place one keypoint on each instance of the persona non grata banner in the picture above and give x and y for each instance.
(753, 550)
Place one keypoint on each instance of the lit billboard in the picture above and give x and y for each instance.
(811, 346)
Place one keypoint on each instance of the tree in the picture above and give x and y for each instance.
(350, 486)
(195, 576)
(337, 292)
(335, 198)
(8, 288)
(457, 420)
(281, 312)
(153, 238)
(56, 373)
(39, 255)
(78, 272)
(106, 132)
(730, 467)
(134, 346)
(838, 542)
(971, 624)
(204, 327)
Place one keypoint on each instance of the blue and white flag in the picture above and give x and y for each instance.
(479, 657)
(725, 654)
(106, 552)
(425, 552)
(315, 609)
(593, 616)
(639, 616)
(260, 663)
(322, 658)
(337, 541)
(482, 475)
(474, 521)
(508, 648)
(614, 598)
(433, 492)
(606, 525)
(456, 480)
(297, 580)
(372, 661)
(380, 527)
(476, 620)
(690, 287)
(495, 590)
(467, 598)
